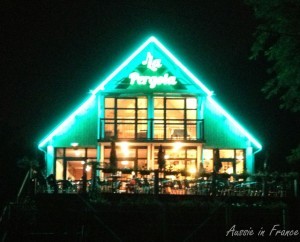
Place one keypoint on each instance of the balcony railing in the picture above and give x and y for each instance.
(151, 129)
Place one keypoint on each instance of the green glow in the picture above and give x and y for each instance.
(153, 80)
(153, 65)
(234, 122)
(122, 66)
(166, 52)
(60, 128)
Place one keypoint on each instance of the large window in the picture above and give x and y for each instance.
(126, 117)
(128, 157)
(179, 158)
(232, 160)
(175, 118)
(71, 162)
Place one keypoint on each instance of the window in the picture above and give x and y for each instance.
(233, 160)
(175, 118)
(70, 162)
(128, 157)
(208, 160)
(178, 158)
(125, 117)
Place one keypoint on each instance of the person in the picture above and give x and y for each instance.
(131, 185)
(146, 186)
(41, 181)
(52, 183)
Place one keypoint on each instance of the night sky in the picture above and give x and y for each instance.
(54, 52)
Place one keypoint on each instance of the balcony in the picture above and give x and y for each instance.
(151, 129)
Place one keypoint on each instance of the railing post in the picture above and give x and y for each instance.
(296, 192)
(156, 185)
(27, 176)
(84, 179)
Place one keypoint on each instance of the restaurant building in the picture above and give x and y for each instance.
(150, 101)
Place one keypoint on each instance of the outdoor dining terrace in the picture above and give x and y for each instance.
(174, 183)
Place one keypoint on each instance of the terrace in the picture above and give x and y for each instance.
(88, 210)
(157, 182)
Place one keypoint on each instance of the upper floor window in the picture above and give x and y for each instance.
(175, 118)
(125, 117)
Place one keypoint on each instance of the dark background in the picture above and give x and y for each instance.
(54, 52)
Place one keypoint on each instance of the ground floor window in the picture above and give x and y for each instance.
(72, 163)
(178, 158)
(231, 161)
(128, 157)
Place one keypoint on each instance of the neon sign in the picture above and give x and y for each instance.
(153, 81)
(151, 63)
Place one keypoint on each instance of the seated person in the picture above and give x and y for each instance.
(131, 185)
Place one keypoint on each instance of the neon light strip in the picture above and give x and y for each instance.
(178, 63)
(67, 121)
(235, 123)
(123, 65)
(167, 52)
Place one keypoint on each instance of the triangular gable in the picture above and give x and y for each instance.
(172, 67)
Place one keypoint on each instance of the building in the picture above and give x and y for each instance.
(150, 101)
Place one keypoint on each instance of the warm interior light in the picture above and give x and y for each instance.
(177, 145)
(229, 170)
(166, 157)
(77, 152)
(240, 157)
(124, 162)
(192, 170)
(88, 168)
(125, 148)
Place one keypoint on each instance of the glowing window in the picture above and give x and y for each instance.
(92, 153)
(159, 102)
(126, 103)
(59, 169)
(109, 102)
(226, 153)
(191, 103)
(191, 114)
(175, 103)
(142, 102)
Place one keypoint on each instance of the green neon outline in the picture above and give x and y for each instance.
(234, 121)
(152, 39)
(67, 121)
(179, 64)
(123, 65)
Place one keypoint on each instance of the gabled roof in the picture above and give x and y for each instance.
(172, 63)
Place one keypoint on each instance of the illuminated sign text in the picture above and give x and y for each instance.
(153, 81)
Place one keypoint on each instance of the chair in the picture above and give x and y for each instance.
(108, 134)
(142, 134)
(178, 134)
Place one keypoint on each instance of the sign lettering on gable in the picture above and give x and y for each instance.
(153, 81)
